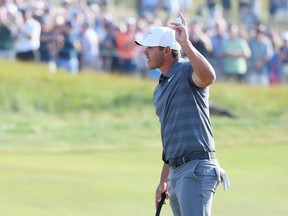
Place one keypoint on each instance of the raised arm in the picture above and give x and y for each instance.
(204, 74)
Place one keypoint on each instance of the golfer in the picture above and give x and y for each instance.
(190, 173)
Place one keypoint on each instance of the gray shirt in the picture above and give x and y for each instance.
(260, 50)
(183, 111)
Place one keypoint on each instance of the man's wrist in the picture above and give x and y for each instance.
(185, 43)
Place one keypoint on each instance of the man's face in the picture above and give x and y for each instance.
(155, 57)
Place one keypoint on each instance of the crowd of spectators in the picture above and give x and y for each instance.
(83, 35)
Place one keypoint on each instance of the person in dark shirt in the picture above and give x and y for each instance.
(6, 38)
(198, 38)
(68, 47)
(47, 42)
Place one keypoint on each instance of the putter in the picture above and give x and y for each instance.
(159, 206)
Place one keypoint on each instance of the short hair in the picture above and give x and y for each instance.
(175, 53)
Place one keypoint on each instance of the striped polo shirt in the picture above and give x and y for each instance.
(183, 111)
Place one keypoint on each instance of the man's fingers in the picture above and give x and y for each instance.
(161, 199)
(182, 18)
(157, 201)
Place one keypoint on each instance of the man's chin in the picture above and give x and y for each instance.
(151, 67)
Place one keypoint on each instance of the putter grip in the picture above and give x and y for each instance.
(159, 206)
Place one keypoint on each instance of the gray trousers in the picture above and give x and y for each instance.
(191, 187)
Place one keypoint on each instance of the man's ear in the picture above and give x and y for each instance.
(167, 50)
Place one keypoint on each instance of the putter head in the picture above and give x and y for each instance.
(160, 204)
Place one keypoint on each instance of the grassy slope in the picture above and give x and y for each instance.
(70, 145)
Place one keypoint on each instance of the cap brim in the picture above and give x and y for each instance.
(138, 43)
(145, 42)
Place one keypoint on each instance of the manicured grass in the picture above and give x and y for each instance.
(122, 182)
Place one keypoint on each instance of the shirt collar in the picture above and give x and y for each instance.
(161, 78)
(171, 72)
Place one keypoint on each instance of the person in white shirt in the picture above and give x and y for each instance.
(89, 48)
(27, 36)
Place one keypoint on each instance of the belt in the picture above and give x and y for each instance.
(176, 162)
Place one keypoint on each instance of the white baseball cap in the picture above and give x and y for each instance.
(160, 36)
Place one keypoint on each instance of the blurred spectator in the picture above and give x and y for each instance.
(172, 7)
(104, 3)
(47, 47)
(6, 39)
(244, 5)
(66, 7)
(89, 58)
(145, 7)
(217, 53)
(198, 37)
(273, 6)
(261, 53)
(10, 8)
(76, 19)
(101, 24)
(237, 52)
(185, 5)
(108, 48)
(248, 17)
(68, 47)
(211, 5)
(274, 65)
(279, 11)
(284, 57)
(226, 5)
(27, 36)
(40, 10)
(141, 61)
(214, 12)
(125, 41)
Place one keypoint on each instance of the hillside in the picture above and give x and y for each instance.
(98, 109)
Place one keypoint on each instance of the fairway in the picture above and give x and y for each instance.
(122, 182)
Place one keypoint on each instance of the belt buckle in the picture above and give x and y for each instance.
(185, 159)
(174, 163)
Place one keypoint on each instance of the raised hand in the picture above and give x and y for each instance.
(181, 30)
